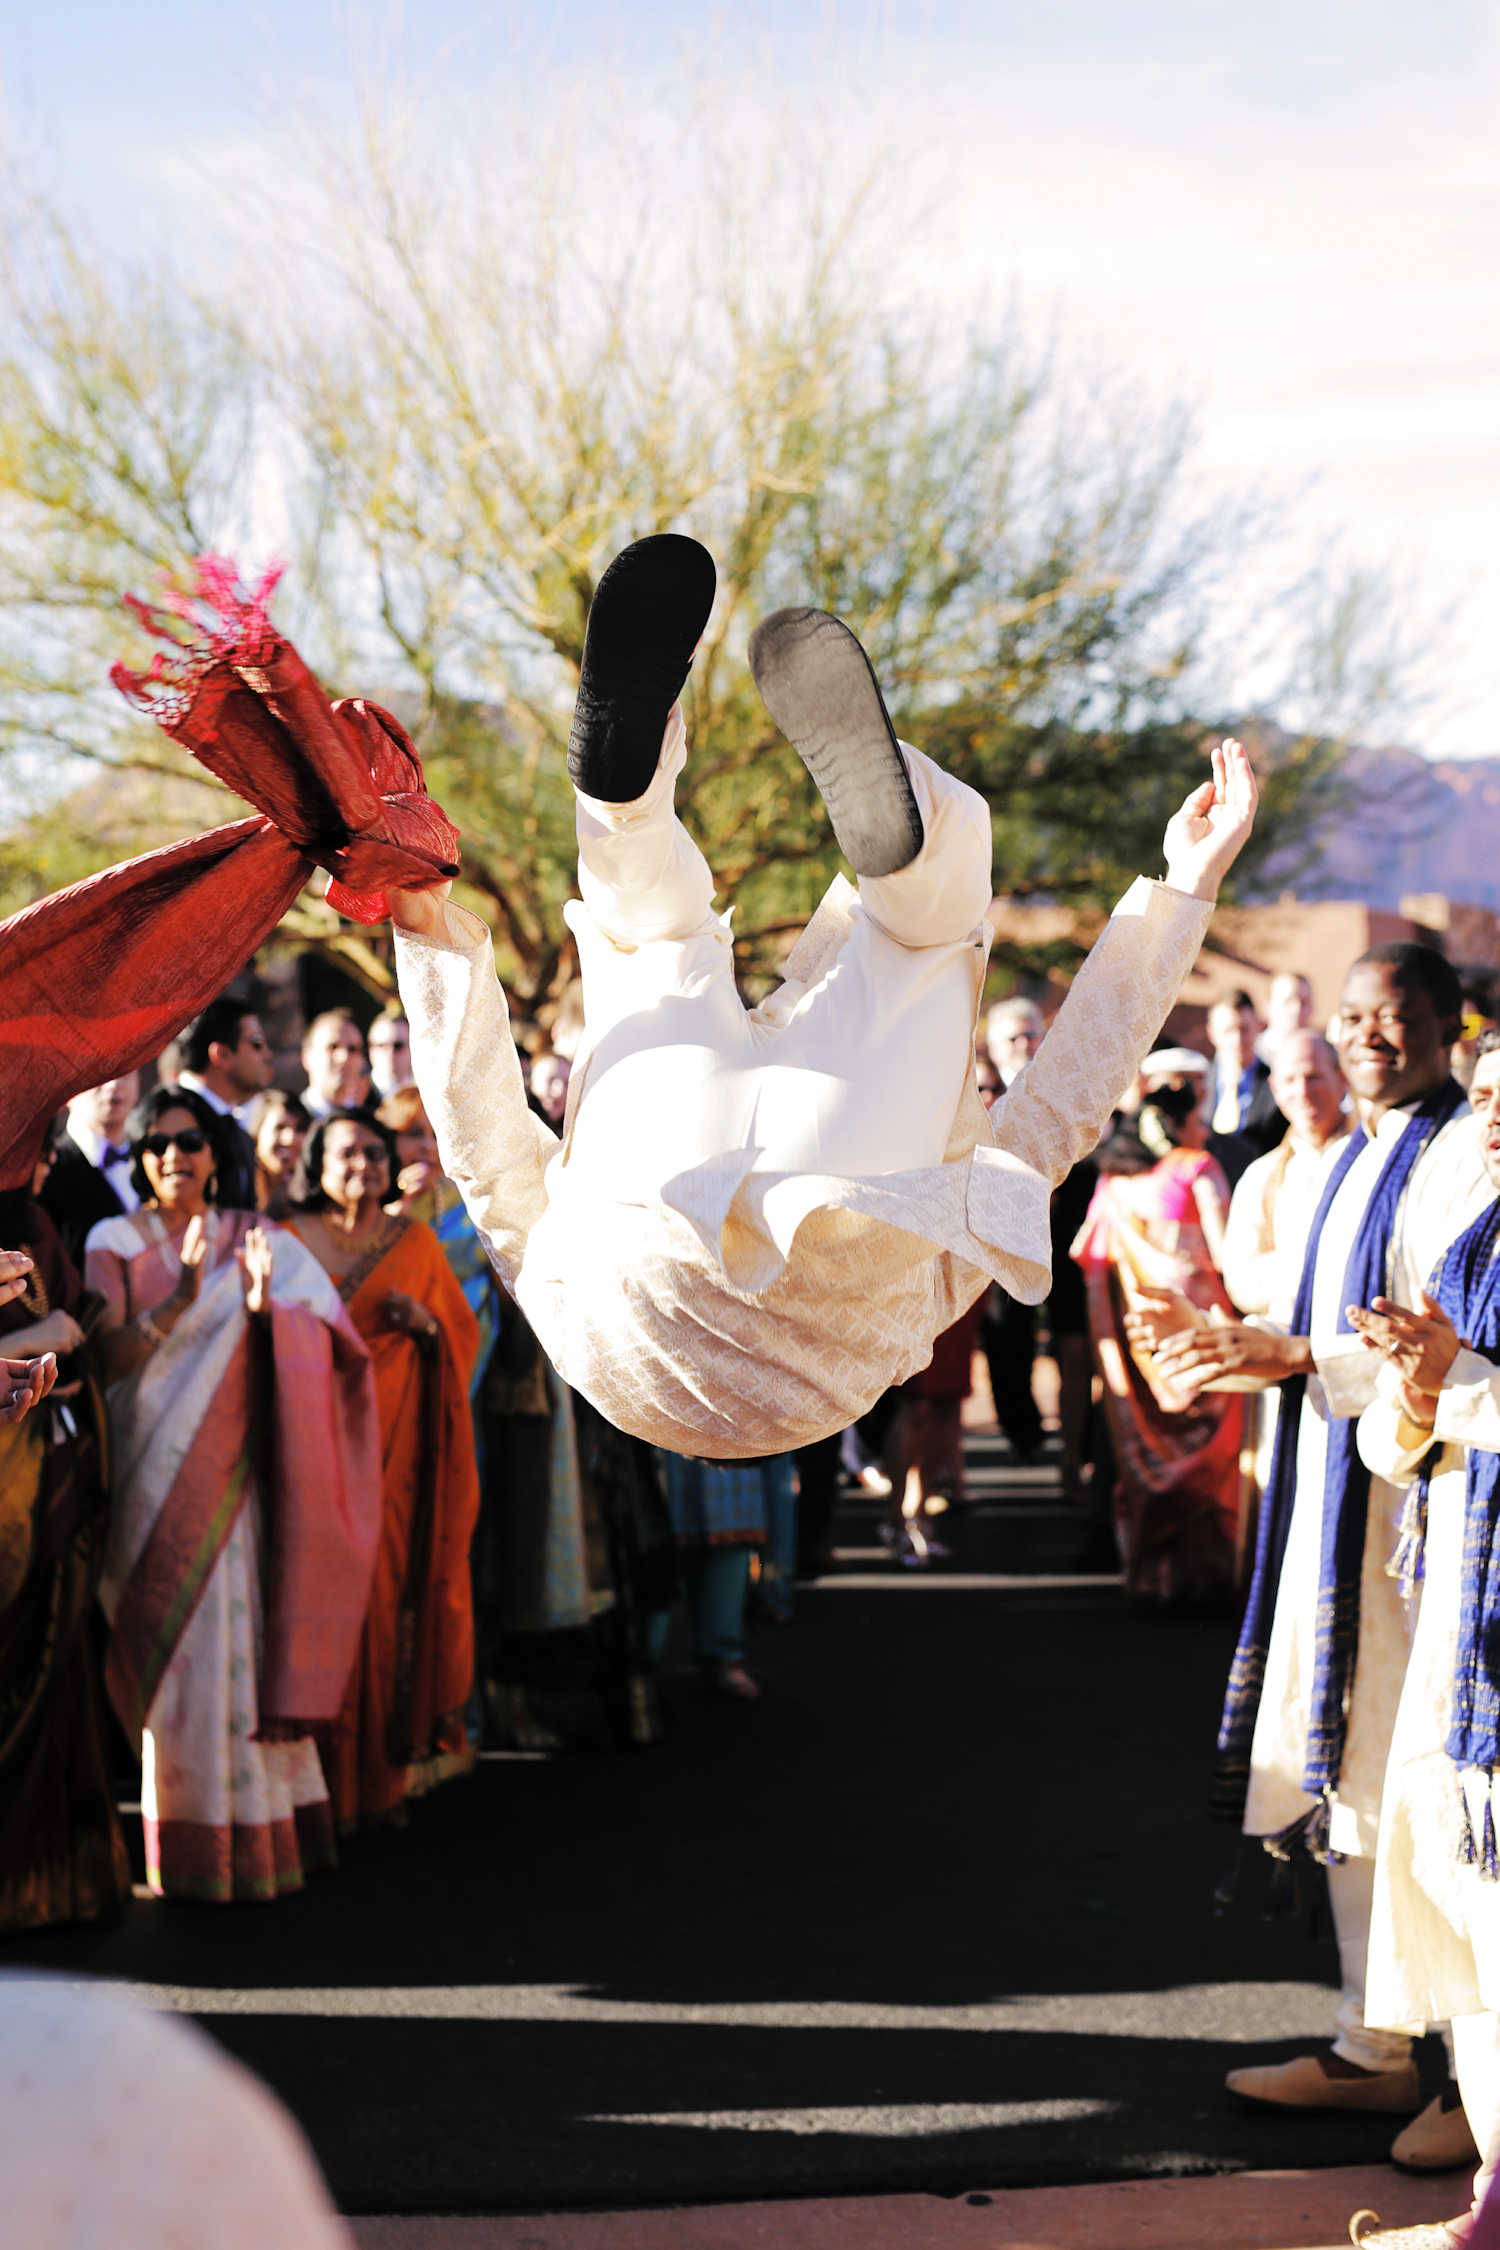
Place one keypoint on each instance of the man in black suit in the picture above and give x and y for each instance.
(1243, 1101)
(90, 1176)
(227, 1061)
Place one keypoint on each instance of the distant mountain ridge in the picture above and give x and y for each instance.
(1414, 825)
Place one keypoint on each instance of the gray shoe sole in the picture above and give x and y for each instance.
(816, 682)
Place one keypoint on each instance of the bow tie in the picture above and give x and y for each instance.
(112, 1156)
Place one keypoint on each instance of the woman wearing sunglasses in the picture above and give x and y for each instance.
(245, 1514)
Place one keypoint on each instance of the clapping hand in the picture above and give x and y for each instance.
(1156, 1314)
(15, 1271)
(407, 1314)
(193, 1255)
(1204, 839)
(255, 1262)
(1420, 1345)
(1196, 1357)
(24, 1383)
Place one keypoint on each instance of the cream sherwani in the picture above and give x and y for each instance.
(1435, 1939)
(1435, 1926)
(758, 1220)
(1447, 1188)
(1265, 1241)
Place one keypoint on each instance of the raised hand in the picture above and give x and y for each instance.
(1204, 839)
(15, 1271)
(194, 1256)
(254, 1260)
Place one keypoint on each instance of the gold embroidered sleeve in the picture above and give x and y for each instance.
(1056, 1110)
(495, 1150)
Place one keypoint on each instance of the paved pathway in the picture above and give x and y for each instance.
(932, 1920)
(1247, 2211)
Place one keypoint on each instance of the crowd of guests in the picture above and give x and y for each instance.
(1290, 1249)
(307, 1518)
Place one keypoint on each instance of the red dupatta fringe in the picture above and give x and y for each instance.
(231, 684)
(233, 627)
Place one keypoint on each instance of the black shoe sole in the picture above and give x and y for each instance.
(817, 684)
(646, 619)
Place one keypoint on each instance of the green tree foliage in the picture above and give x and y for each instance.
(463, 416)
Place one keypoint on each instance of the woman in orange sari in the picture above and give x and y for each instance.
(405, 1702)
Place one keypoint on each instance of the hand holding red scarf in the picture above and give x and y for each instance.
(96, 979)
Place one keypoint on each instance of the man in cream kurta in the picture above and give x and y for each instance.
(758, 1220)
(1371, 2065)
(1435, 1926)
(1272, 1209)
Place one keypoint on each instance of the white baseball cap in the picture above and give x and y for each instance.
(1175, 1062)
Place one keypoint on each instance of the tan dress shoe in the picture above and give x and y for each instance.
(1304, 2084)
(1367, 2233)
(1437, 2141)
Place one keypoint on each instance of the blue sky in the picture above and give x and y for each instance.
(1289, 214)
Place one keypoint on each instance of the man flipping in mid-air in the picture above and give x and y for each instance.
(758, 1220)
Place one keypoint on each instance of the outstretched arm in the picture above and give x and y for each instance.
(1061, 1103)
(494, 1149)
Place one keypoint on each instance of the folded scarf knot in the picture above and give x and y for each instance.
(341, 781)
(101, 975)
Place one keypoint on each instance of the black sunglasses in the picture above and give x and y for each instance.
(190, 1140)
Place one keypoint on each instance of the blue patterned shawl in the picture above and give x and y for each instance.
(1346, 1492)
(1467, 1286)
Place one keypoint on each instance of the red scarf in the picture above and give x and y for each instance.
(96, 979)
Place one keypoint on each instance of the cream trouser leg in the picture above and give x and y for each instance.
(1351, 1894)
(857, 1075)
(1476, 2047)
(641, 874)
(642, 877)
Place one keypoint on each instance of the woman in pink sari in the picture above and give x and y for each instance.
(245, 1516)
(1155, 1231)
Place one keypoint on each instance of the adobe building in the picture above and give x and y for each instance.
(1248, 945)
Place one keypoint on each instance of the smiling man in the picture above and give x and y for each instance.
(1317, 1675)
(1435, 1931)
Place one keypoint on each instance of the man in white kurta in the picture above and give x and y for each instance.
(1272, 1209)
(1275, 1201)
(758, 1220)
(1435, 1925)
(1394, 1052)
